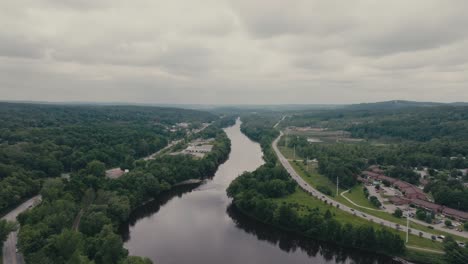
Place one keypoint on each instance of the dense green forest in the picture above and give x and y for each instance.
(255, 193)
(445, 122)
(77, 221)
(399, 139)
(5, 228)
(42, 141)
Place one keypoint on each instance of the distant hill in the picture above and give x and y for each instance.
(395, 104)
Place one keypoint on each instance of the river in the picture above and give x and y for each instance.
(197, 224)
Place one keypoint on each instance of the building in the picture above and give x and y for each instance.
(412, 194)
(398, 201)
(457, 214)
(199, 149)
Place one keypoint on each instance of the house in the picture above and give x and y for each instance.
(457, 214)
(427, 205)
(396, 200)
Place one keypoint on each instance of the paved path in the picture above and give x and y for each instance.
(116, 173)
(312, 191)
(170, 145)
(427, 250)
(355, 204)
(10, 256)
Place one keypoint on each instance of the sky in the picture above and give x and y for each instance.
(233, 52)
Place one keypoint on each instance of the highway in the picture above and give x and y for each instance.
(10, 256)
(312, 191)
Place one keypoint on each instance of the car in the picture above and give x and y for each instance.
(441, 237)
(461, 244)
(364, 215)
(352, 210)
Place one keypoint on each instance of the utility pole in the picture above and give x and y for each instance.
(337, 186)
(294, 152)
(407, 225)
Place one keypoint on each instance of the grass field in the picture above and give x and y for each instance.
(356, 194)
(302, 198)
(315, 179)
(289, 153)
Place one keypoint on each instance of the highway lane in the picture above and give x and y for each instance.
(313, 192)
(10, 256)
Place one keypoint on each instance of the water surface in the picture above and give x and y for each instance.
(197, 224)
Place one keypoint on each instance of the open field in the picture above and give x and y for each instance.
(302, 198)
(356, 194)
(315, 179)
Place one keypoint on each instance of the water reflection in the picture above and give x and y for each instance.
(190, 225)
(152, 207)
(292, 243)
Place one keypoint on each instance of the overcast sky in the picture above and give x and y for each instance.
(230, 52)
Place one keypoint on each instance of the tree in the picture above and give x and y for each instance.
(93, 223)
(421, 214)
(109, 247)
(448, 223)
(454, 254)
(398, 213)
(136, 260)
(96, 168)
(5, 229)
(52, 189)
(65, 245)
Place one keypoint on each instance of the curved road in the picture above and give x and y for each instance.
(312, 191)
(10, 256)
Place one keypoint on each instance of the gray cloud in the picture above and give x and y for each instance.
(233, 51)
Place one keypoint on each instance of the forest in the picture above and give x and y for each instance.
(255, 193)
(43, 141)
(400, 140)
(78, 220)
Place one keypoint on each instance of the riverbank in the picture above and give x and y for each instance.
(300, 208)
(300, 234)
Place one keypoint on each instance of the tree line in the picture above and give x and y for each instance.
(78, 220)
(41, 141)
(254, 193)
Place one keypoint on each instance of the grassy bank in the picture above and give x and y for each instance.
(306, 201)
(315, 179)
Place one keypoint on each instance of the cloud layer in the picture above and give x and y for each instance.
(239, 51)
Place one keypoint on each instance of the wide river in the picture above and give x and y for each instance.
(197, 224)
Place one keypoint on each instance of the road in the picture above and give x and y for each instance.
(115, 173)
(170, 145)
(312, 191)
(10, 256)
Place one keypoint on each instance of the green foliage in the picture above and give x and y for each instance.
(5, 229)
(405, 174)
(454, 254)
(366, 192)
(448, 223)
(375, 201)
(78, 218)
(136, 260)
(105, 204)
(254, 193)
(39, 141)
(398, 213)
(96, 168)
(421, 214)
(324, 190)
